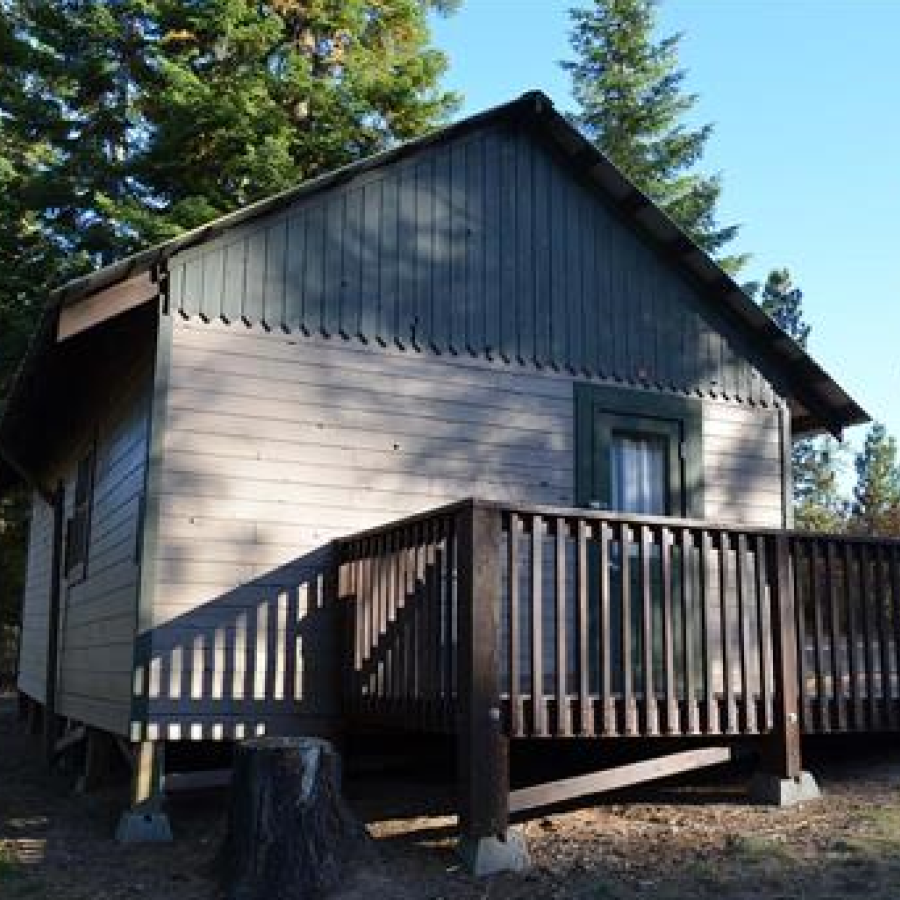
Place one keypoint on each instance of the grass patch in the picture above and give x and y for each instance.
(753, 848)
(877, 837)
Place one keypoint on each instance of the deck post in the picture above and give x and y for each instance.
(781, 780)
(51, 725)
(145, 822)
(486, 843)
(98, 747)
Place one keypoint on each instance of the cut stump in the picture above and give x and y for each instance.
(290, 833)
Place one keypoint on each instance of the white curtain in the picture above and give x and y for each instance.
(639, 474)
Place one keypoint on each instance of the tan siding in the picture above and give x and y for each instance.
(33, 658)
(100, 611)
(742, 465)
(275, 444)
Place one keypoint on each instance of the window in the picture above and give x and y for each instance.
(638, 473)
(638, 452)
(78, 526)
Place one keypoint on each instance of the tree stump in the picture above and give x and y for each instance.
(290, 834)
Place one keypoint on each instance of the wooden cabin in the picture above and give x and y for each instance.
(492, 312)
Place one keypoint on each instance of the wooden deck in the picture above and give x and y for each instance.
(497, 623)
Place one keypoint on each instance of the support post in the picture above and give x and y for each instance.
(145, 822)
(97, 759)
(35, 718)
(486, 843)
(781, 780)
(52, 670)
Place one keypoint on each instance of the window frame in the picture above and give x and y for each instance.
(78, 524)
(601, 410)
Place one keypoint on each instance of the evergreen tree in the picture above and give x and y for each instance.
(876, 497)
(158, 115)
(244, 104)
(815, 462)
(632, 106)
(818, 503)
(783, 303)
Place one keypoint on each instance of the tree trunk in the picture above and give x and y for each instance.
(290, 833)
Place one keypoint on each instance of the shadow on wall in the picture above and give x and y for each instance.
(261, 658)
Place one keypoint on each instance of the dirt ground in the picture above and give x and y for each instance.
(698, 841)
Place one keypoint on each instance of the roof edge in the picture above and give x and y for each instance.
(828, 405)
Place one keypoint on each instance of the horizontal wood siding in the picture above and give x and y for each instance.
(275, 444)
(36, 601)
(99, 613)
(99, 607)
(742, 465)
(487, 246)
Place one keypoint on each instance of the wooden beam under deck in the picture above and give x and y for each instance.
(554, 792)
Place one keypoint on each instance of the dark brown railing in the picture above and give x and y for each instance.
(848, 626)
(604, 625)
(398, 583)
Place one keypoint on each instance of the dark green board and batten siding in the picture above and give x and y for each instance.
(486, 245)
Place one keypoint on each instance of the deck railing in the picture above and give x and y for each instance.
(607, 625)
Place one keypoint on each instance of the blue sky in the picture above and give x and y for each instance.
(805, 99)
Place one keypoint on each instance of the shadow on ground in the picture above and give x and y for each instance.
(693, 839)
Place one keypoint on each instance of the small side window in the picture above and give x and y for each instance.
(78, 526)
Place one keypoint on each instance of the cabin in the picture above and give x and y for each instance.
(467, 438)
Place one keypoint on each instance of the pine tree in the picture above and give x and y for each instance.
(815, 462)
(245, 104)
(157, 115)
(783, 303)
(876, 496)
(818, 503)
(632, 106)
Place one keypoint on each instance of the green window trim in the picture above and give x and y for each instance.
(624, 409)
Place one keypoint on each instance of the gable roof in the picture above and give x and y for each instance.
(817, 401)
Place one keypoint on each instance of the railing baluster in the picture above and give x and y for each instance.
(398, 628)
(538, 717)
(433, 632)
(418, 621)
(562, 699)
(763, 614)
(671, 701)
(748, 703)
(800, 604)
(839, 714)
(894, 557)
(727, 632)
(628, 699)
(650, 717)
(515, 709)
(368, 619)
(888, 719)
(607, 708)
(816, 595)
(851, 592)
(390, 637)
(584, 698)
(690, 627)
(712, 724)
(449, 654)
(865, 581)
